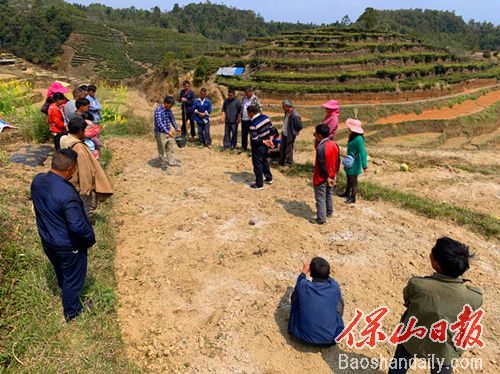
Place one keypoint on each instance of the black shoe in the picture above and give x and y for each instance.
(344, 194)
(255, 187)
(350, 200)
(268, 181)
(316, 221)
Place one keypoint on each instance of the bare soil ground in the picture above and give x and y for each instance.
(444, 183)
(468, 107)
(205, 265)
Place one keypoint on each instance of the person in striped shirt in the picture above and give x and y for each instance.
(261, 136)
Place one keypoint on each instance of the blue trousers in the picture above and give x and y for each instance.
(204, 133)
(71, 269)
(260, 163)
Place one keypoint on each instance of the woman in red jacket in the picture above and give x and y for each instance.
(56, 119)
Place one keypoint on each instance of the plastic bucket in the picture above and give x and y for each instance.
(181, 141)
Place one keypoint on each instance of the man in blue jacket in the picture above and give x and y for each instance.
(64, 229)
(202, 109)
(317, 306)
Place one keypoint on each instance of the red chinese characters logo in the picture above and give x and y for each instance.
(397, 337)
(371, 334)
(468, 330)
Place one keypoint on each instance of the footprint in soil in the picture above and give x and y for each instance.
(296, 208)
(243, 177)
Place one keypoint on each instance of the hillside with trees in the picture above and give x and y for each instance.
(123, 43)
(440, 28)
(34, 30)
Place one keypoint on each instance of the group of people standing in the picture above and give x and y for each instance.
(264, 137)
(75, 125)
(60, 110)
(65, 198)
(62, 198)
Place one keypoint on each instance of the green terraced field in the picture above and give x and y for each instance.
(118, 51)
(329, 60)
(419, 70)
(149, 44)
(405, 85)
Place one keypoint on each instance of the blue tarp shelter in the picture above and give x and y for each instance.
(230, 72)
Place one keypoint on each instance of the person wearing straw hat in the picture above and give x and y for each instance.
(331, 119)
(356, 160)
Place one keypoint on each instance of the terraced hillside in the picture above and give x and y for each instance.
(346, 62)
(118, 51)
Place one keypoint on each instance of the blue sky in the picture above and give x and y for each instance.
(328, 11)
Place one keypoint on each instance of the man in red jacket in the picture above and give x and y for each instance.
(325, 173)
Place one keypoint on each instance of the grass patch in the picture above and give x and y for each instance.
(132, 126)
(482, 223)
(34, 126)
(105, 156)
(33, 335)
(481, 169)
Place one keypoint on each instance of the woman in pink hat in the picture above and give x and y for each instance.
(332, 116)
(356, 160)
(55, 87)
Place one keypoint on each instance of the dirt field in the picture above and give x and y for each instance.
(468, 107)
(205, 265)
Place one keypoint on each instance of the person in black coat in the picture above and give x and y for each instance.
(292, 124)
(186, 98)
(65, 231)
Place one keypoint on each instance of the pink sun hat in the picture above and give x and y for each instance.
(56, 87)
(332, 104)
(354, 125)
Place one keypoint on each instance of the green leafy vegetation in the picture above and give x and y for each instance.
(34, 30)
(365, 59)
(13, 94)
(33, 125)
(440, 28)
(483, 122)
(419, 70)
(404, 85)
(214, 21)
(340, 48)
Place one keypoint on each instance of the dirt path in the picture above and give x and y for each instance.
(468, 107)
(205, 265)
